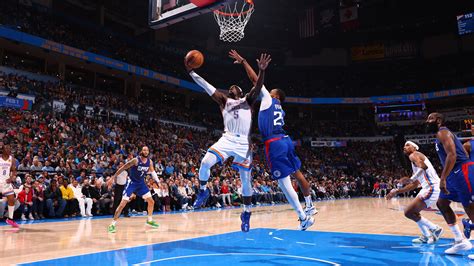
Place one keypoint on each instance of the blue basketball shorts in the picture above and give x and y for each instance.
(281, 157)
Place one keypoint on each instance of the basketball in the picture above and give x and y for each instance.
(194, 59)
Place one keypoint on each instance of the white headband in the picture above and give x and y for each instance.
(412, 144)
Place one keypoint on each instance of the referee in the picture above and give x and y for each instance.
(118, 191)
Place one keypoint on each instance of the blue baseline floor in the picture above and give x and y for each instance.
(276, 247)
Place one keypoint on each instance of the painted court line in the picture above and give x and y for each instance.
(445, 245)
(304, 243)
(277, 238)
(238, 254)
(351, 246)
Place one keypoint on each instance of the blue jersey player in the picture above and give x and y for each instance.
(279, 149)
(457, 179)
(139, 167)
(304, 184)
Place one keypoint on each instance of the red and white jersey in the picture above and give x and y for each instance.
(429, 179)
(237, 115)
(5, 166)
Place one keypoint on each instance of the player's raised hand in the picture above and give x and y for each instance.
(264, 61)
(238, 59)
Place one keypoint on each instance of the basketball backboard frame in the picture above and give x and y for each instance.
(158, 19)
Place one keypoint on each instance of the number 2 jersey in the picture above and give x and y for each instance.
(279, 149)
(271, 117)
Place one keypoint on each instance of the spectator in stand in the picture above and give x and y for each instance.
(26, 203)
(164, 196)
(85, 204)
(36, 167)
(55, 202)
(90, 192)
(68, 196)
(105, 200)
(225, 194)
(169, 170)
(47, 167)
(38, 200)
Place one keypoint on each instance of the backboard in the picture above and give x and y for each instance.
(163, 13)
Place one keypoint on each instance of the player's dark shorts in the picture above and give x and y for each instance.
(138, 188)
(460, 184)
(281, 157)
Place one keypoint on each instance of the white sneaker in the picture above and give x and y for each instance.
(459, 246)
(23, 218)
(306, 223)
(422, 240)
(310, 211)
(184, 206)
(89, 215)
(31, 216)
(436, 233)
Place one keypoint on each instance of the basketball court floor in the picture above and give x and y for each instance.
(362, 231)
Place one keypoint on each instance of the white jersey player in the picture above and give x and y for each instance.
(7, 177)
(424, 175)
(236, 112)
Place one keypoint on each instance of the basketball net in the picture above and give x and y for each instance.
(232, 19)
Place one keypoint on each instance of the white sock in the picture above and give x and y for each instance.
(456, 232)
(247, 208)
(427, 223)
(423, 229)
(291, 196)
(11, 210)
(309, 202)
(150, 218)
(114, 222)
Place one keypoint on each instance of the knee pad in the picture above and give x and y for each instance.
(207, 163)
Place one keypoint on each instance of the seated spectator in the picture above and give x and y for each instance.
(105, 199)
(85, 204)
(38, 200)
(47, 167)
(71, 202)
(225, 194)
(26, 203)
(55, 202)
(164, 196)
(90, 192)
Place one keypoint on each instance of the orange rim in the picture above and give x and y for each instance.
(251, 4)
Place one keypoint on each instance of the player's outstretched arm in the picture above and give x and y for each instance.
(265, 95)
(447, 141)
(263, 63)
(411, 186)
(125, 167)
(238, 59)
(216, 95)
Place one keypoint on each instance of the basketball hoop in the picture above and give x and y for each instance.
(232, 19)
